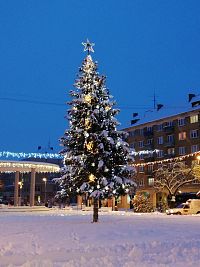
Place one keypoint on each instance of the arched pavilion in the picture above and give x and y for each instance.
(18, 167)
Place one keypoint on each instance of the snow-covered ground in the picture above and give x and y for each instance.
(68, 238)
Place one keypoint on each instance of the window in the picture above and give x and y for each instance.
(181, 150)
(141, 131)
(170, 138)
(150, 168)
(141, 169)
(194, 133)
(149, 141)
(182, 136)
(131, 133)
(141, 143)
(141, 182)
(169, 123)
(151, 181)
(194, 148)
(132, 145)
(181, 122)
(141, 156)
(170, 165)
(159, 127)
(194, 119)
(171, 151)
(160, 154)
(149, 129)
(160, 140)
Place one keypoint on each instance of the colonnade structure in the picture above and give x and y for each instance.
(18, 167)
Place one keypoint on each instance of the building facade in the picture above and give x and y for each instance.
(163, 140)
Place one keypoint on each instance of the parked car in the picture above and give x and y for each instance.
(178, 210)
(192, 206)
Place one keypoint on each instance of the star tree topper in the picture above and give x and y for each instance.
(88, 46)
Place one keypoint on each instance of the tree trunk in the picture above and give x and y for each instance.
(95, 210)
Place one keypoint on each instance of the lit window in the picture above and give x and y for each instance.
(194, 119)
(194, 148)
(182, 150)
(182, 136)
(160, 140)
(171, 151)
(194, 133)
(181, 122)
(151, 181)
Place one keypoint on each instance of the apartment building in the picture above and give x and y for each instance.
(163, 140)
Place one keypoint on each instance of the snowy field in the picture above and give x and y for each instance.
(68, 238)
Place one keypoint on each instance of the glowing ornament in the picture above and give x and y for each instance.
(88, 98)
(86, 134)
(106, 169)
(89, 146)
(107, 108)
(91, 177)
(87, 123)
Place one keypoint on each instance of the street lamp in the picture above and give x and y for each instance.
(20, 184)
(45, 189)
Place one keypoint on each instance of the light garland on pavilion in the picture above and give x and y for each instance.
(195, 154)
(12, 166)
(7, 154)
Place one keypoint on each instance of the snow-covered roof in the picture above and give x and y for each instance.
(152, 116)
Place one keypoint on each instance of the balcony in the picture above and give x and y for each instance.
(169, 156)
(168, 129)
(169, 144)
(149, 146)
(149, 159)
(148, 133)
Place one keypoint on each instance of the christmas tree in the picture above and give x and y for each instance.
(96, 157)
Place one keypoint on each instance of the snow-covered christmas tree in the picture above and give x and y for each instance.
(96, 157)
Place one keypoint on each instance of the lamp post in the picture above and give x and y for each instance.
(45, 189)
(20, 191)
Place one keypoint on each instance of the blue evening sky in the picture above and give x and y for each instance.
(142, 46)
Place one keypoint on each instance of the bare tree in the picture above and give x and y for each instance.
(196, 171)
(172, 176)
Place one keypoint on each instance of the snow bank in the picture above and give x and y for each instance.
(68, 238)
